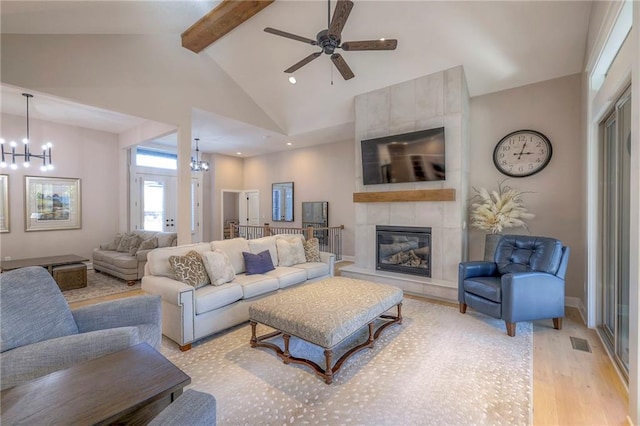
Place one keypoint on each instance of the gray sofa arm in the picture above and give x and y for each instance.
(191, 408)
(141, 255)
(31, 361)
(131, 311)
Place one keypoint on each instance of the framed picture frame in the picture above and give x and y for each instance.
(4, 203)
(52, 203)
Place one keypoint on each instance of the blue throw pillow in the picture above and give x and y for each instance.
(257, 263)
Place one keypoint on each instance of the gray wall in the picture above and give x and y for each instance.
(557, 196)
(90, 155)
(319, 173)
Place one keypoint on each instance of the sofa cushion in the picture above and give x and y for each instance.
(218, 266)
(485, 287)
(288, 276)
(257, 263)
(33, 308)
(314, 269)
(158, 259)
(234, 248)
(312, 250)
(255, 285)
(265, 243)
(123, 260)
(212, 297)
(290, 252)
(189, 269)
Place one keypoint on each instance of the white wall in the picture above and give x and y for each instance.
(81, 153)
(319, 173)
(557, 195)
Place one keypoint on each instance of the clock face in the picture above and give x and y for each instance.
(522, 153)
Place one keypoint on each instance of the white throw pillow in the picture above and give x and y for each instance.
(290, 252)
(218, 266)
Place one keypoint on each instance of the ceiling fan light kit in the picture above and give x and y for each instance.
(330, 39)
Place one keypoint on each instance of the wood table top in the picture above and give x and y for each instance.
(46, 261)
(99, 391)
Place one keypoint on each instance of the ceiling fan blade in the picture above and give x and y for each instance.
(302, 63)
(291, 36)
(342, 66)
(370, 45)
(340, 15)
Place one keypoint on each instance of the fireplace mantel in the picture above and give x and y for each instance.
(446, 194)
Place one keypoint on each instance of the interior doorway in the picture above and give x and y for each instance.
(239, 206)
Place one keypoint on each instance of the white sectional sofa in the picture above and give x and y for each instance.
(189, 314)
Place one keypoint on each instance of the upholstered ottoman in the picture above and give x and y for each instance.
(325, 313)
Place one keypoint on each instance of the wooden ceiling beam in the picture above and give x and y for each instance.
(222, 19)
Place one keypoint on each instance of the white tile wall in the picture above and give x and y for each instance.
(435, 100)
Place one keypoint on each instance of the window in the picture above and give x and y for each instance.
(151, 158)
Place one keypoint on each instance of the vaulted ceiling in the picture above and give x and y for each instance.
(501, 44)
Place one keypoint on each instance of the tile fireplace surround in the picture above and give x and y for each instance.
(439, 99)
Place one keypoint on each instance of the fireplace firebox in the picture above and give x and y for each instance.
(404, 249)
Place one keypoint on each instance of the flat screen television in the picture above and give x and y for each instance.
(409, 157)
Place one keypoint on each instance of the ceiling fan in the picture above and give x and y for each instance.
(330, 39)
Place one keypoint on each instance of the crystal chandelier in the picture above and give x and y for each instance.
(196, 164)
(27, 155)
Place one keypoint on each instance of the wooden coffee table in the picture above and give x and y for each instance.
(128, 387)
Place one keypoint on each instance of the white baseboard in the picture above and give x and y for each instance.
(347, 259)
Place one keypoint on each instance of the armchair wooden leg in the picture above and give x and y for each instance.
(185, 347)
(463, 308)
(557, 323)
(511, 328)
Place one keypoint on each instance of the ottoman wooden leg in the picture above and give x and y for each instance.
(328, 371)
(371, 337)
(286, 356)
(253, 340)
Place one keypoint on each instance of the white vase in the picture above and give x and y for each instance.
(490, 244)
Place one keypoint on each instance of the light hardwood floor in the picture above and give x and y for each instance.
(570, 387)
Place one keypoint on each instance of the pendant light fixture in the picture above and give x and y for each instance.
(196, 164)
(26, 154)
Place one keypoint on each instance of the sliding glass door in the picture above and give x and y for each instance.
(615, 196)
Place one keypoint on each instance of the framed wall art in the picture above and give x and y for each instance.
(52, 203)
(4, 203)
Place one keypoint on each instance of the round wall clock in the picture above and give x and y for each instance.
(522, 153)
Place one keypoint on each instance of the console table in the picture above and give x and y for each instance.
(127, 387)
(68, 270)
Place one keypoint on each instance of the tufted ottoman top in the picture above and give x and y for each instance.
(328, 311)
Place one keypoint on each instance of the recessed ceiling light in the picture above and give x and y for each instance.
(382, 39)
(238, 153)
(292, 80)
(289, 144)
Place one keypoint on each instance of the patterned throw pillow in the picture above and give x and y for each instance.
(218, 266)
(134, 244)
(189, 269)
(312, 250)
(257, 263)
(290, 252)
(149, 244)
(125, 242)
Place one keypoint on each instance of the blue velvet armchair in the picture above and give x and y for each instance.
(525, 282)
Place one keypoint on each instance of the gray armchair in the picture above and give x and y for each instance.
(41, 334)
(525, 282)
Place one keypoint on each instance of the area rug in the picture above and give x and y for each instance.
(99, 284)
(438, 368)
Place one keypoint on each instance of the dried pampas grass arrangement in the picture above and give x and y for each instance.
(497, 210)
